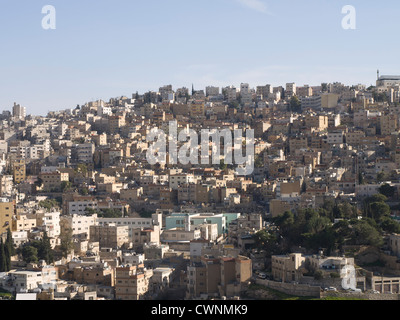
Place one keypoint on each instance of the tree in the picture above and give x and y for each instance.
(389, 225)
(82, 168)
(29, 254)
(3, 257)
(110, 213)
(381, 176)
(387, 190)
(365, 234)
(379, 210)
(65, 186)
(10, 243)
(49, 204)
(295, 104)
(304, 187)
(45, 252)
(67, 244)
(222, 165)
(360, 178)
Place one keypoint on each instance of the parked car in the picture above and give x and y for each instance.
(331, 289)
(355, 290)
(262, 275)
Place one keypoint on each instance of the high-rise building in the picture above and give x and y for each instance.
(19, 112)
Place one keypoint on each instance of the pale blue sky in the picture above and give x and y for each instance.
(104, 49)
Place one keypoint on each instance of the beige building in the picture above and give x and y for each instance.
(218, 276)
(132, 282)
(53, 180)
(143, 236)
(180, 235)
(320, 123)
(24, 223)
(389, 123)
(287, 268)
(19, 171)
(278, 207)
(329, 100)
(6, 216)
(355, 138)
(109, 236)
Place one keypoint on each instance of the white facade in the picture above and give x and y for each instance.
(80, 225)
(176, 180)
(131, 223)
(79, 207)
(51, 223)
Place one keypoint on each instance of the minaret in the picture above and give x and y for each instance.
(378, 74)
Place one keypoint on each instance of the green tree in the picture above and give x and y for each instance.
(387, 190)
(49, 204)
(378, 210)
(381, 176)
(10, 243)
(365, 234)
(44, 251)
(65, 186)
(29, 254)
(67, 244)
(82, 168)
(222, 165)
(3, 257)
(110, 213)
(295, 104)
(317, 224)
(361, 178)
(389, 225)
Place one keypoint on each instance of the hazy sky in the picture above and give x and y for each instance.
(102, 49)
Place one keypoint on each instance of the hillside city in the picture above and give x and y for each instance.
(85, 216)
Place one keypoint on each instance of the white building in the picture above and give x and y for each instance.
(51, 223)
(179, 179)
(80, 225)
(79, 207)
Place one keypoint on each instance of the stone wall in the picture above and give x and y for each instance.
(301, 290)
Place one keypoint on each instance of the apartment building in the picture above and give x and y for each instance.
(132, 282)
(214, 277)
(52, 181)
(79, 225)
(6, 215)
(110, 235)
(19, 171)
(287, 268)
(79, 204)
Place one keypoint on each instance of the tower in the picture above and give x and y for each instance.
(378, 74)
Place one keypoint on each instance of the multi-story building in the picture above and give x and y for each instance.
(6, 215)
(79, 225)
(19, 171)
(19, 112)
(52, 181)
(214, 277)
(109, 236)
(132, 282)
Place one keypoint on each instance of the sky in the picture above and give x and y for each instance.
(102, 49)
